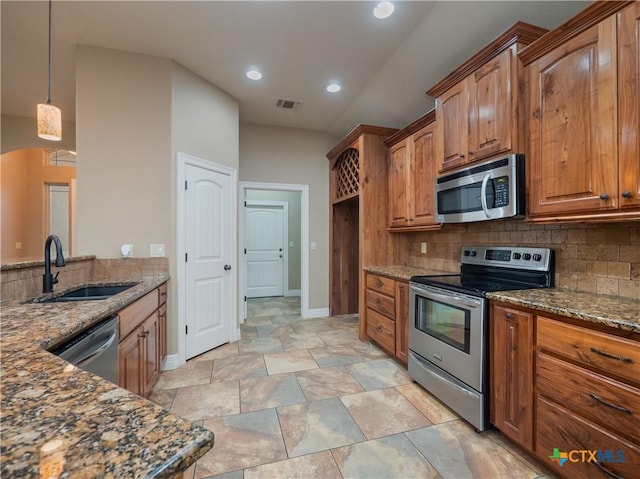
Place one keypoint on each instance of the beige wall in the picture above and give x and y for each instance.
(19, 132)
(24, 176)
(596, 258)
(292, 198)
(287, 155)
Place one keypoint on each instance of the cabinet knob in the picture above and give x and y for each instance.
(461, 155)
(470, 153)
(508, 316)
(604, 196)
(626, 194)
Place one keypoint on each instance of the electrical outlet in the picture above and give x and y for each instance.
(126, 250)
(290, 244)
(156, 250)
(18, 244)
(423, 247)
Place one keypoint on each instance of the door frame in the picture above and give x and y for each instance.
(182, 160)
(304, 240)
(285, 235)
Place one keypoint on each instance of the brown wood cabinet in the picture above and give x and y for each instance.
(142, 345)
(387, 314)
(412, 169)
(512, 374)
(583, 119)
(478, 105)
(562, 383)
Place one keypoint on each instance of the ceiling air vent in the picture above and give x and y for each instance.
(287, 104)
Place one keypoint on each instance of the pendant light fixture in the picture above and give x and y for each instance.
(49, 116)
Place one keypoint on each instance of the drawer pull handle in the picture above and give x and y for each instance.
(378, 302)
(608, 404)
(612, 356)
(607, 471)
(379, 328)
(379, 283)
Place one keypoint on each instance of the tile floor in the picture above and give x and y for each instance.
(301, 399)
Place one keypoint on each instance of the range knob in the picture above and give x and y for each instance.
(537, 257)
(467, 252)
(516, 256)
(473, 253)
(526, 256)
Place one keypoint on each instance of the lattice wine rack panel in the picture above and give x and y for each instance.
(347, 173)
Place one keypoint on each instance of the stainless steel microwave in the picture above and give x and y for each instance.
(483, 191)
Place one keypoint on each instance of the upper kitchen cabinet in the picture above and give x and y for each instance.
(412, 169)
(477, 105)
(583, 162)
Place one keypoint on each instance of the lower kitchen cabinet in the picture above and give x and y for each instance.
(387, 314)
(142, 346)
(562, 386)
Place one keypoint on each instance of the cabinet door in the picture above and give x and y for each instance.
(398, 178)
(453, 126)
(130, 352)
(151, 357)
(629, 105)
(490, 108)
(402, 321)
(573, 159)
(512, 374)
(422, 177)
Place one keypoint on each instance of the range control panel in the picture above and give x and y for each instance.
(537, 259)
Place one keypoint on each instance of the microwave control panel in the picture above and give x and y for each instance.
(501, 187)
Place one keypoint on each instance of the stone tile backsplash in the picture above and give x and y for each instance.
(596, 258)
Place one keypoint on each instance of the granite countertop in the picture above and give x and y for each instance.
(612, 311)
(403, 272)
(105, 430)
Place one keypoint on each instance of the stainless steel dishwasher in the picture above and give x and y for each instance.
(94, 350)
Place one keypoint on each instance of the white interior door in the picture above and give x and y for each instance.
(209, 254)
(265, 251)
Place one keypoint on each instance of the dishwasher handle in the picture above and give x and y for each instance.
(96, 351)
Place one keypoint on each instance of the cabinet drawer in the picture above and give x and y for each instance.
(381, 303)
(614, 355)
(605, 401)
(560, 428)
(162, 294)
(134, 314)
(382, 330)
(381, 285)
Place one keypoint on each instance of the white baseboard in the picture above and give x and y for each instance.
(317, 313)
(172, 361)
(292, 292)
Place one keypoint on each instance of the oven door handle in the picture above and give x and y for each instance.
(448, 298)
(483, 195)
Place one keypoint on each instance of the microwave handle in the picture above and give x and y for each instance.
(483, 195)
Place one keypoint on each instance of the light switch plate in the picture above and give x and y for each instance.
(423, 247)
(314, 246)
(156, 250)
(290, 244)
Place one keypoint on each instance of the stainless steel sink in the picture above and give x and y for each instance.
(86, 293)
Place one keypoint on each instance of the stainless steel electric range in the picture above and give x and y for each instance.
(448, 322)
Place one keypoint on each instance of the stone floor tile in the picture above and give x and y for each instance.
(258, 313)
(242, 441)
(313, 325)
(274, 330)
(317, 426)
(335, 356)
(379, 374)
(238, 367)
(387, 457)
(252, 322)
(190, 374)
(456, 450)
(285, 318)
(327, 382)
(320, 465)
(270, 392)
(289, 362)
(301, 341)
(340, 336)
(224, 351)
(248, 332)
(383, 412)
(207, 401)
(427, 404)
(537, 466)
(368, 350)
(163, 397)
(260, 346)
(239, 474)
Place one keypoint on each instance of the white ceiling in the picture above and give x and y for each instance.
(384, 66)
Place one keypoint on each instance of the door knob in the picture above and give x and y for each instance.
(280, 255)
(227, 267)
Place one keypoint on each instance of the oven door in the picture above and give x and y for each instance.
(447, 329)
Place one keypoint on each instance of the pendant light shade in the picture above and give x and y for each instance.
(49, 122)
(49, 116)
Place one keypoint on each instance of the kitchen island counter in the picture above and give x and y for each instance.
(105, 431)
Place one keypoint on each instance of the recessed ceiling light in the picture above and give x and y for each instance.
(254, 75)
(333, 88)
(383, 10)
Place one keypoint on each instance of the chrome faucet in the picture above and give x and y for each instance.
(48, 280)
